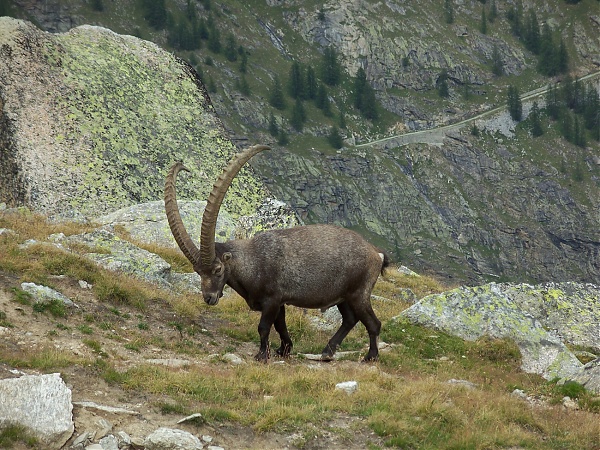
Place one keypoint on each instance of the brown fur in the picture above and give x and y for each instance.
(314, 266)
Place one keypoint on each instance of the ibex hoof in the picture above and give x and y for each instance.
(262, 357)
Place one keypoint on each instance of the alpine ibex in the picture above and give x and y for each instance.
(313, 266)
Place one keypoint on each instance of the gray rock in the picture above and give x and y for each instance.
(147, 222)
(271, 214)
(44, 294)
(123, 158)
(172, 439)
(233, 358)
(109, 442)
(41, 404)
(493, 310)
(118, 255)
(589, 376)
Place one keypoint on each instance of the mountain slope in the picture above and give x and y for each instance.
(498, 205)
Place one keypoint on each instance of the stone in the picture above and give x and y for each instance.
(196, 417)
(147, 222)
(233, 358)
(124, 157)
(349, 387)
(44, 294)
(589, 376)
(118, 255)
(500, 311)
(109, 442)
(172, 439)
(41, 404)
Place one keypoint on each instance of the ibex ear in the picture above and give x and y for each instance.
(226, 257)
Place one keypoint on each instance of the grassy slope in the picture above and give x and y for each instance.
(405, 399)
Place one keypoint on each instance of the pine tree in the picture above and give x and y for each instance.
(532, 32)
(214, 37)
(155, 13)
(497, 65)
(277, 99)
(283, 138)
(322, 97)
(515, 107)
(591, 112)
(567, 126)
(342, 120)
(230, 50)
(273, 127)
(243, 86)
(515, 17)
(97, 5)
(369, 109)
(331, 71)
(493, 12)
(552, 102)
(536, 122)
(442, 84)
(562, 57)
(359, 86)
(548, 63)
(298, 115)
(296, 81)
(311, 83)
(334, 138)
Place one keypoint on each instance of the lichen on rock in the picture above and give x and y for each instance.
(98, 118)
(524, 313)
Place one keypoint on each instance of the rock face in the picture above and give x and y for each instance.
(41, 404)
(539, 319)
(91, 121)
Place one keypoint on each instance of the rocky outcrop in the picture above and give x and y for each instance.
(540, 319)
(91, 121)
(472, 210)
(41, 404)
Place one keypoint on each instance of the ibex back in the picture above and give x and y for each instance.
(313, 266)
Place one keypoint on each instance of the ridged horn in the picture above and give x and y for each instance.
(213, 204)
(183, 239)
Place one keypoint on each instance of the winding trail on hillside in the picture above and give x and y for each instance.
(436, 135)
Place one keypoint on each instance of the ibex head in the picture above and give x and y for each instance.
(212, 268)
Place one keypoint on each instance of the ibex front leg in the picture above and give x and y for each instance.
(268, 315)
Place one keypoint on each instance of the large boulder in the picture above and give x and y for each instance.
(537, 318)
(91, 121)
(147, 222)
(41, 404)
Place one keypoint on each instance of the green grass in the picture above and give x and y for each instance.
(11, 435)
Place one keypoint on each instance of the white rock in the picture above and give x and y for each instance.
(40, 403)
(172, 439)
(233, 358)
(348, 386)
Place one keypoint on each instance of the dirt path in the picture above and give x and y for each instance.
(435, 136)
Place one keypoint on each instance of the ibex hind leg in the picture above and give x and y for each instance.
(281, 328)
(348, 321)
(373, 325)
